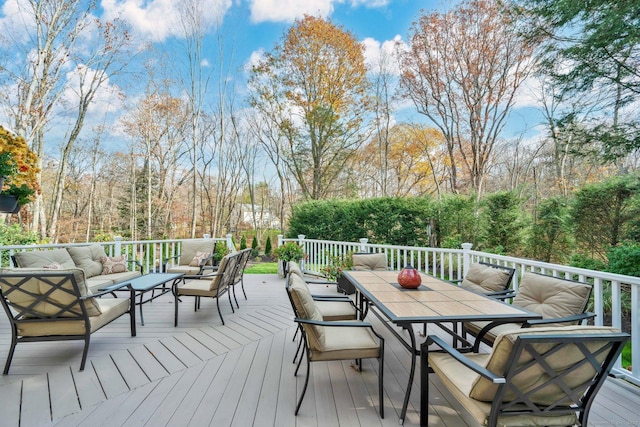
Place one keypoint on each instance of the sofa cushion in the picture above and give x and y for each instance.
(483, 278)
(116, 264)
(35, 287)
(88, 258)
(96, 283)
(38, 259)
(189, 248)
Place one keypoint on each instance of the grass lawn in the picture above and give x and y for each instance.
(262, 268)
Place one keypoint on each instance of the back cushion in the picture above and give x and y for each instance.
(552, 297)
(483, 278)
(372, 262)
(190, 248)
(534, 376)
(307, 309)
(30, 289)
(222, 270)
(38, 259)
(88, 258)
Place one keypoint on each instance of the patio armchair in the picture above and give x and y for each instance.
(332, 340)
(559, 302)
(488, 279)
(543, 376)
(194, 257)
(238, 278)
(46, 305)
(212, 285)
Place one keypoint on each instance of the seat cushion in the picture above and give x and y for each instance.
(38, 259)
(197, 287)
(336, 310)
(190, 248)
(533, 377)
(111, 309)
(552, 297)
(373, 262)
(483, 278)
(96, 283)
(184, 269)
(344, 343)
(88, 258)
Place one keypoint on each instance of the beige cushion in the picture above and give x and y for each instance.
(35, 287)
(483, 278)
(184, 269)
(529, 379)
(96, 283)
(111, 309)
(189, 249)
(198, 258)
(343, 343)
(209, 288)
(373, 262)
(552, 297)
(306, 308)
(88, 258)
(38, 259)
(459, 380)
(116, 264)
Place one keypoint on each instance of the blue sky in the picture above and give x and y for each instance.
(251, 27)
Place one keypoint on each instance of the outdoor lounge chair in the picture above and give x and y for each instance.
(532, 377)
(194, 258)
(559, 302)
(336, 340)
(212, 285)
(488, 279)
(47, 305)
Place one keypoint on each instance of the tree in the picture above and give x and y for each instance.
(593, 47)
(313, 87)
(462, 70)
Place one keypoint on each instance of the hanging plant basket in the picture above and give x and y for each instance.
(8, 203)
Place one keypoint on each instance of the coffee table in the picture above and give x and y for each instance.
(145, 283)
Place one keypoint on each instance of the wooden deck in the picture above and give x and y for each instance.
(202, 373)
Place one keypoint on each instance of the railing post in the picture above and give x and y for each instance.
(301, 243)
(363, 245)
(466, 258)
(118, 246)
(230, 244)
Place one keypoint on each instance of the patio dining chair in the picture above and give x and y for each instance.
(332, 340)
(532, 377)
(212, 285)
(559, 302)
(238, 277)
(195, 257)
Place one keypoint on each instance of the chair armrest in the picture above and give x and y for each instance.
(503, 295)
(337, 323)
(479, 369)
(138, 263)
(567, 319)
(107, 290)
(331, 298)
(166, 261)
(202, 276)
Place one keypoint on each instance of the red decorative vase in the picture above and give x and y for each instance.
(409, 277)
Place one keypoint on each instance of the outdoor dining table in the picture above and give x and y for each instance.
(434, 301)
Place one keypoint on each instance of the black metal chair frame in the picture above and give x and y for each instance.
(225, 283)
(72, 312)
(523, 404)
(239, 273)
(359, 324)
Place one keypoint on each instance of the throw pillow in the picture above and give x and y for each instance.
(116, 264)
(195, 262)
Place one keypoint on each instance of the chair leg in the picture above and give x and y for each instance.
(219, 313)
(242, 284)
(85, 352)
(231, 302)
(380, 378)
(175, 307)
(234, 296)
(14, 342)
(304, 350)
(306, 383)
(295, 357)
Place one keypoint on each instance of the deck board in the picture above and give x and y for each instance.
(203, 373)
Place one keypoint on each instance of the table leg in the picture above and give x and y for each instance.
(424, 384)
(414, 352)
(140, 304)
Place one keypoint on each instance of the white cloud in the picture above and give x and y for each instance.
(16, 22)
(156, 20)
(289, 10)
(254, 59)
(382, 55)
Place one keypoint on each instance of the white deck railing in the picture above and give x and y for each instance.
(449, 264)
